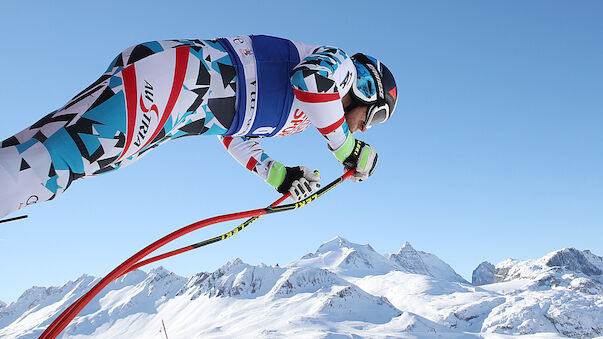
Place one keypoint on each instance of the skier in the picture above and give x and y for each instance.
(239, 88)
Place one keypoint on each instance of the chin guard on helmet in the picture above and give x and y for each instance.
(375, 87)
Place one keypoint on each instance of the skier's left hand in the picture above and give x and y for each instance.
(300, 181)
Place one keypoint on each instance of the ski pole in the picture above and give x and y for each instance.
(67, 316)
(13, 219)
(187, 248)
(182, 250)
(56, 327)
(205, 242)
(225, 235)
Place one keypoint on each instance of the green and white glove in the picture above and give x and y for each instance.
(358, 155)
(300, 181)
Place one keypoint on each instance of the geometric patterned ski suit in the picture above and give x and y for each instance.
(238, 88)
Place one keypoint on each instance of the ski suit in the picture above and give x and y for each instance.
(238, 88)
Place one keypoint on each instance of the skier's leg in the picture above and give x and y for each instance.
(40, 162)
(89, 135)
(80, 139)
(20, 183)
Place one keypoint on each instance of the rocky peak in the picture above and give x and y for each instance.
(234, 279)
(410, 260)
(483, 274)
(406, 246)
(573, 260)
(568, 260)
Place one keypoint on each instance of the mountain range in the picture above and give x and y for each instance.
(342, 290)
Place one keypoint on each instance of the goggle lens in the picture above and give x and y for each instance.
(376, 115)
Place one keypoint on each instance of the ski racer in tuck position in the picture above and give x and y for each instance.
(238, 88)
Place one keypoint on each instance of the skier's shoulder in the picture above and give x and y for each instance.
(270, 42)
(262, 42)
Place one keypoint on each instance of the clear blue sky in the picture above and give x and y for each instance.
(495, 150)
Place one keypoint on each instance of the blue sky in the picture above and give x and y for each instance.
(494, 151)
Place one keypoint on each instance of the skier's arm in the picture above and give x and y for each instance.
(319, 81)
(249, 153)
(300, 181)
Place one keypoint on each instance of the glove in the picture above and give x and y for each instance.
(300, 181)
(363, 159)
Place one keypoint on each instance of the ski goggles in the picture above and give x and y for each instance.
(376, 114)
(379, 111)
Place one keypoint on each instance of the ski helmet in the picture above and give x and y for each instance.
(374, 86)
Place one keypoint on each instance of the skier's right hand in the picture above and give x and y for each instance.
(357, 155)
(300, 181)
(363, 159)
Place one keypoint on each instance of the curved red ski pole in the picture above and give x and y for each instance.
(170, 254)
(67, 316)
(203, 243)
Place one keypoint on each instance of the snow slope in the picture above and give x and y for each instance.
(341, 290)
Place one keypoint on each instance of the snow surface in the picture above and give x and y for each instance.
(342, 290)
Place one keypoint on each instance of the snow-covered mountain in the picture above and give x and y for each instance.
(565, 260)
(419, 262)
(341, 290)
(346, 259)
